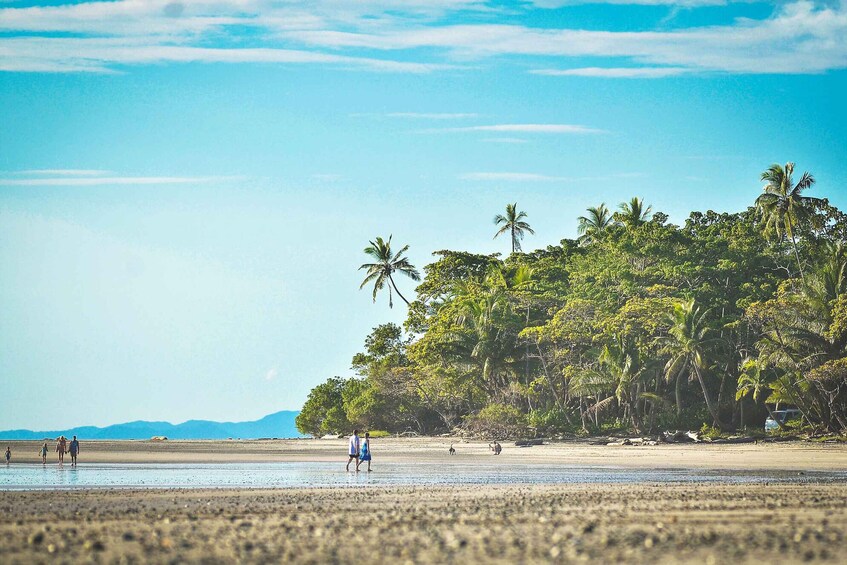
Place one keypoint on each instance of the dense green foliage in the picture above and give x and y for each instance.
(639, 325)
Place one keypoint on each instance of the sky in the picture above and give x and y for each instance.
(186, 188)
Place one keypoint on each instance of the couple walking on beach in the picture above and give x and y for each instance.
(359, 451)
(63, 447)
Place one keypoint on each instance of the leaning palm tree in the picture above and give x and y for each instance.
(782, 206)
(387, 263)
(595, 223)
(633, 213)
(514, 224)
(687, 343)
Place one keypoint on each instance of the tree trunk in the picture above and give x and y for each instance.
(397, 290)
(709, 403)
(796, 254)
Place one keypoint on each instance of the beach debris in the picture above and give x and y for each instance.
(680, 437)
(529, 442)
(332, 436)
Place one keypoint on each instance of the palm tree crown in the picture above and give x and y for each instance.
(387, 263)
(514, 224)
(634, 213)
(782, 205)
(595, 223)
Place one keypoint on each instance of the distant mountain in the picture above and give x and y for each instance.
(278, 425)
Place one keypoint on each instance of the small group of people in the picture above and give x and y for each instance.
(359, 450)
(495, 447)
(62, 446)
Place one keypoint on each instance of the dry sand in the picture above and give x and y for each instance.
(471, 524)
(770, 456)
(640, 523)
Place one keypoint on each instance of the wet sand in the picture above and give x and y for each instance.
(470, 524)
(653, 522)
(768, 456)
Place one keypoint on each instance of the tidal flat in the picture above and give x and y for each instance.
(638, 523)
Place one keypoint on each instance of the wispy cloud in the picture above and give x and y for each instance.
(81, 180)
(431, 116)
(421, 36)
(504, 140)
(510, 177)
(271, 374)
(537, 177)
(527, 128)
(64, 172)
(615, 72)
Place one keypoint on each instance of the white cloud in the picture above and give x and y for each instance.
(99, 181)
(504, 140)
(529, 128)
(271, 374)
(801, 36)
(510, 177)
(616, 72)
(64, 172)
(431, 116)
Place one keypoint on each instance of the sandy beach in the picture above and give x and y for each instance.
(795, 455)
(655, 522)
(594, 523)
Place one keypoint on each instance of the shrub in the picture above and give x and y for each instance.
(497, 421)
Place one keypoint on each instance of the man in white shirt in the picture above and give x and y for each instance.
(353, 449)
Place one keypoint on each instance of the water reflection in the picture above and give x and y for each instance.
(283, 475)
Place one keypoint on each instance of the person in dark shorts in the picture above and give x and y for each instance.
(365, 453)
(353, 449)
(74, 451)
(43, 453)
(8, 454)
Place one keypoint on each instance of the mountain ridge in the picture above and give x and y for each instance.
(277, 425)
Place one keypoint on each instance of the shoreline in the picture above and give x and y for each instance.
(787, 455)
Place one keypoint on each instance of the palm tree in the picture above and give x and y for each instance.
(782, 206)
(633, 213)
(686, 343)
(387, 262)
(591, 226)
(756, 382)
(514, 224)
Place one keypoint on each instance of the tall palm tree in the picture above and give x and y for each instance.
(634, 213)
(387, 263)
(514, 224)
(687, 344)
(782, 206)
(595, 223)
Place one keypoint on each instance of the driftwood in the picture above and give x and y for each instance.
(529, 442)
(680, 437)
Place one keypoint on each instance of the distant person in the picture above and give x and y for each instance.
(497, 448)
(43, 453)
(8, 454)
(74, 451)
(61, 448)
(365, 454)
(452, 451)
(353, 449)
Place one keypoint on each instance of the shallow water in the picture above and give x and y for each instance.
(290, 475)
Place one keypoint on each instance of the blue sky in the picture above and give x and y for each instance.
(186, 188)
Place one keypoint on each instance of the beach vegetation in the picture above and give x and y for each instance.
(639, 324)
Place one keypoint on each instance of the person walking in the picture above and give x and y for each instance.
(43, 453)
(353, 450)
(74, 450)
(61, 448)
(8, 454)
(365, 454)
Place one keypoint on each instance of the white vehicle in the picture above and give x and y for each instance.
(781, 417)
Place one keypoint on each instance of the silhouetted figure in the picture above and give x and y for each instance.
(452, 451)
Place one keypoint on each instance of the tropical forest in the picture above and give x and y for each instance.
(636, 326)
